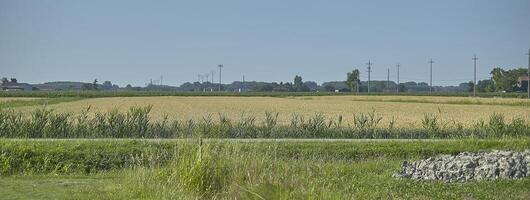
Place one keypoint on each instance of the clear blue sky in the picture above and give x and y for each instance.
(132, 41)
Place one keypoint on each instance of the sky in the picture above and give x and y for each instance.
(131, 42)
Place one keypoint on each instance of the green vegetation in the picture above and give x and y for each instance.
(125, 93)
(136, 123)
(257, 169)
(53, 186)
(455, 102)
(37, 102)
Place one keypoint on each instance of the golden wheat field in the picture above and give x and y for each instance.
(404, 113)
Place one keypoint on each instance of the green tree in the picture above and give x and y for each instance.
(352, 80)
(298, 84)
(470, 86)
(95, 84)
(506, 80)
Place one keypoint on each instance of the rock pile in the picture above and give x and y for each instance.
(469, 166)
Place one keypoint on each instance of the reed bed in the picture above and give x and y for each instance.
(137, 123)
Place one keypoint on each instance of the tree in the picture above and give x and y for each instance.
(485, 86)
(95, 84)
(298, 84)
(506, 80)
(329, 88)
(5, 80)
(470, 85)
(14, 80)
(311, 85)
(402, 87)
(352, 80)
(107, 85)
(87, 86)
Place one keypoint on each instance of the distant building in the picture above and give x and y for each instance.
(14, 85)
(522, 81)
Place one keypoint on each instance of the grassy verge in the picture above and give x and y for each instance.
(49, 186)
(225, 169)
(34, 156)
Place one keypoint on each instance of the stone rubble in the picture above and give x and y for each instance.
(468, 166)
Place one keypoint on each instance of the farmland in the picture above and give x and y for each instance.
(407, 111)
(202, 147)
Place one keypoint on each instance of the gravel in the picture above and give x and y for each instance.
(468, 166)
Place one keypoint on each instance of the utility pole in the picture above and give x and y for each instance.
(397, 88)
(474, 75)
(369, 71)
(207, 77)
(528, 86)
(430, 88)
(199, 81)
(220, 67)
(213, 72)
(387, 78)
(243, 86)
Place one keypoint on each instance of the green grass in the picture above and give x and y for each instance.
(454, 102)
(250, 169)
(37, 102)
(58, 186)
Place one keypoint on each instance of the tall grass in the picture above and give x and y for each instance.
(136, 123)
(269, 170)
(190, 169)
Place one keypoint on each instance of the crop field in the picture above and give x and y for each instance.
(252, 147)
(404, 111)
